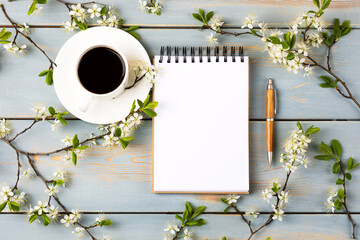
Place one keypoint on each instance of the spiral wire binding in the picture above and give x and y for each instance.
(225, 53)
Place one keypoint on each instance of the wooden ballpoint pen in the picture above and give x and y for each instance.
(271, 105)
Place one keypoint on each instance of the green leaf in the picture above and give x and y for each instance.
(345, 24)
(312, 130)
(224, 238)
(49, 77)
(336, 23)
(103, 11)
(341, 194)
(52, 111)
(293, 41)
(197, 17)
(202, 14)
(13, 206)
(284, 45)
(82, 26)
(326, 85)
(33, 218)
(298, 124)
(4, 42)
(197, 222)
(41, 1)
(61, 119)
(327, 79)
(179, 218)
(140, 103)
(118, 132)
(186, 215)
(2, 31)
(43, 73)
(350, 163)
(275, 40)
(106, 222)
(75, 141)
(290, 56)
(2, 206)
(127, 139)
(338, 204)
(355, 165)
(133, 106)
(346, 31)
(147, 100)
(336, 168)
(123, 143)
(134, 34)
(287, 38)
(152, 105)
(132, 28)
(31, 8)
(227, 209)
(325, 5)
(74, 158)
(316, 3)
(209, 15)
(198, 211)
(82, 147)
(325, 149)
(189, 208)
(150, 113)
(6, 35)
(323, 157)
(348, 176)
(59, 182)
(45, 219)
(336, 147)
(224, 201)
(339, 181)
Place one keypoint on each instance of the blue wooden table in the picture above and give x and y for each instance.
(118, 182)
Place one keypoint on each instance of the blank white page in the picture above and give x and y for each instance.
(201, 132)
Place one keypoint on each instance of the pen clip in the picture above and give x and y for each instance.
(275, 100)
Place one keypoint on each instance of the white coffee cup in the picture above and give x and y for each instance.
(90, 97)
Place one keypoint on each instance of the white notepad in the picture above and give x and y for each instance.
(201, 132)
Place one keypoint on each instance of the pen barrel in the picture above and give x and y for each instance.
(270, 103)
(269, 135)
(270, 107)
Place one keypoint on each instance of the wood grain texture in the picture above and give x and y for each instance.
(150, 227)
(298, 97)
(120, 180)
(178, 12)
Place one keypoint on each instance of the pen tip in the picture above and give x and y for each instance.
(270, 81)
(269, 156)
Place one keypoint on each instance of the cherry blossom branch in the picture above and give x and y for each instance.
(16, 26)
(68, 5)
(137, 79)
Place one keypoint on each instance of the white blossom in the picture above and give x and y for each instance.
(107, 237)
(37, 11)
(252, 212)
(70, 26)
(6, 193)
(20, 198)
(79, 232)
(40, 110)
(318, 23)
(232, 198)
(92, 142)
(143, 6)
(41, 208)
(11, 49)
(52, 190)
(278, 212)
(110, 140)
(284, 197)
(212, 39)
(53, 212)
(308, 70)
(68, 220)
(314, 39)
(249, 21)
(156, 8)
(56, 125)
(187, 234)
(172, 228)
(94, 11)
(67, 140)
(266, 194)
(24, 29)
(76, 215)
(5, 128)
(216, 23)
(78, 12)
(263, 28)
(302, 48)
(26, 173)
(102, 21)
(290, 167)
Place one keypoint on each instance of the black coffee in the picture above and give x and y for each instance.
(101, 70)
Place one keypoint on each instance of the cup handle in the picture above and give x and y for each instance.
(86, 103)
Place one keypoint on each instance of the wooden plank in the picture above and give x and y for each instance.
(299, 98)
(178, 13)
(120, 180)
(145, 227)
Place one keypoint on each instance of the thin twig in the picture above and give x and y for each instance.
(23, 131)
(18, 171)
(52, 63)
(136, 81)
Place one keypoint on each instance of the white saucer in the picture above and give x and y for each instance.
(65, 74)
